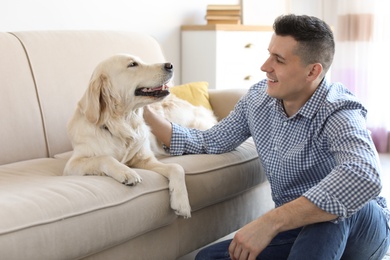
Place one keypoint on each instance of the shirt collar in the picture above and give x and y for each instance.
(311, 107)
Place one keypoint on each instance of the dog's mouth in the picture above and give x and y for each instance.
(157, 92)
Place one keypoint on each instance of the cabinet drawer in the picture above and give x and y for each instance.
(239, 58)
(224, 58)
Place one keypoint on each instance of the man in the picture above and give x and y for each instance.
(316, 151)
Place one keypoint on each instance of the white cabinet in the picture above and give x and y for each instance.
(226, 56)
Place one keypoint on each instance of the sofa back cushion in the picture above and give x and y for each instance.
(62, 63)
(21, 132)
(224, 100)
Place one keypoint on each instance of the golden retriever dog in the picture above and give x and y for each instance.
(109, 135)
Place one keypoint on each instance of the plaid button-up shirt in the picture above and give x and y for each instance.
(324, 152)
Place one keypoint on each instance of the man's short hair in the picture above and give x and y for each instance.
(315, 38)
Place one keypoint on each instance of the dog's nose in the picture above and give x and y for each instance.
(168, 66)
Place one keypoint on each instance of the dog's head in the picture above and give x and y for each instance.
(123, 83)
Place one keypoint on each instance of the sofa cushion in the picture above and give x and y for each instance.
(212, 178)
(42, 209)
(21, 132)
(224, 100)
(195, 93)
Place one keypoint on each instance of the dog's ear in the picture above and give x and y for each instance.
(101, 102)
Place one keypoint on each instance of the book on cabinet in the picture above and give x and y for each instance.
(223, 14)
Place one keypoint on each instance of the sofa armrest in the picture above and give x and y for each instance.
(223, 100)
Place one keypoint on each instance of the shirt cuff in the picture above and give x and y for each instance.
(327, 202)
(178, 140)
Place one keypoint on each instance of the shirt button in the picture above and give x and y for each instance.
(284, 123)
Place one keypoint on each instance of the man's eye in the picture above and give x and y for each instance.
(132, 64)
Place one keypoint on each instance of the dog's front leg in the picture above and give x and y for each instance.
(102, 165)
(177, 188)
(177, 185)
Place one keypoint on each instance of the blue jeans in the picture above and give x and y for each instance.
(365, 235)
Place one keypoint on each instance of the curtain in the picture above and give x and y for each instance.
(362, 34)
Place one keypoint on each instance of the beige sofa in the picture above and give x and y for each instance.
(44, 215)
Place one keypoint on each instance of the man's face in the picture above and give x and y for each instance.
(286, 73)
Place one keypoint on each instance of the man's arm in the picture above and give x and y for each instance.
(255, 236)
(159, 126)
(223, 137)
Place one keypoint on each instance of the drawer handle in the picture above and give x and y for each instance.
(249, 45)
(249, 77)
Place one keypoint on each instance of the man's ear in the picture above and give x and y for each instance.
(315, 71)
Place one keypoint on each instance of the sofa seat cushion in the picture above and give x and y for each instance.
(214, 178)
(43, 209)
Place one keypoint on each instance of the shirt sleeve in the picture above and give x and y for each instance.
(223, 137)
(355, 180)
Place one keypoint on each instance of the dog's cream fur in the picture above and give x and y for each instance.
(108, 132)
(183, 113)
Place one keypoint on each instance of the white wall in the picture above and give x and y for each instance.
(160, 18)
(261, 12)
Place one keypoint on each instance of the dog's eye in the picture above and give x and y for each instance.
(132, 64)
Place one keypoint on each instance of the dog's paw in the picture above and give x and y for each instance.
(133, 182)
(183, 210)
(129, 179)
(180, 203)
(184, 213)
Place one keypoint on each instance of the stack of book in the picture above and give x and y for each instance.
(223, 14)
